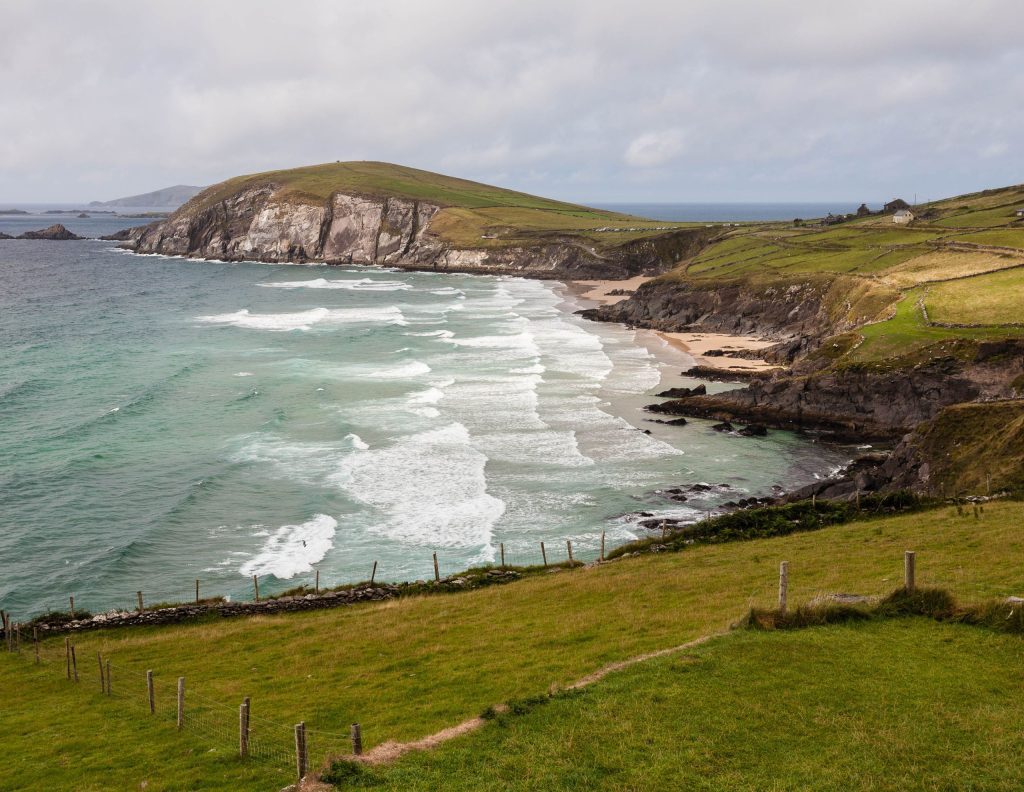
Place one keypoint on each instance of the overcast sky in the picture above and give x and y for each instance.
(680, 100)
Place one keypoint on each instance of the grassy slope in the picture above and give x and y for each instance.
(409, 667)
(882, 268)
(908, 704)
(471, 210)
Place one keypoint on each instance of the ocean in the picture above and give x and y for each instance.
(732, 212)
(163, 420)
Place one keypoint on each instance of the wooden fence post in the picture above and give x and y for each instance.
(568, 547)
(74, 663)
(139, 594)
(103, 684)
(67, 655)
(35, 642)
(197, 591)
(908, 571)
(437, 572)
(783, 585)
(374, 573)
(316, 586)
(72, 600)
(543, 554)
(149, 691)
(108, 676)
(181, 703)
(17, 637)
(502, 555)
(243, 728)
(357, 739)
(256, 587)
(602, 545)
(300, 749)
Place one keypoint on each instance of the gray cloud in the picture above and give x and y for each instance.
(702, 100)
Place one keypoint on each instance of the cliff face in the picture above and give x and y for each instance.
(257, 224)
(773, 311)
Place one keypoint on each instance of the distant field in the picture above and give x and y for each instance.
(992, 299)
(409, 667)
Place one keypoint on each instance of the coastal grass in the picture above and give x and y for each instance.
(904, 703)
(408, 667)
(990, 299)
(906, 333)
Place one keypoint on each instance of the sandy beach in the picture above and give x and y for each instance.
(697, 345)
(598, 290)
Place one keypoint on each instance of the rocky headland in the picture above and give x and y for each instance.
(269, 220)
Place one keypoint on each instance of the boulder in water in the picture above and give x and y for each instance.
(57, 232)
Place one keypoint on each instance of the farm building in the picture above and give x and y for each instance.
(903, 216)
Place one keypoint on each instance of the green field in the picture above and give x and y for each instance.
(409, 667)
(898, 705)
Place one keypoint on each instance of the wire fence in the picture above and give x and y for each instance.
(217, 724)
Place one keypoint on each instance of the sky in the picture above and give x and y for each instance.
(681, 101)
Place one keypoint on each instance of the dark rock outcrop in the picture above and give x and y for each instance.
(683, 393)
(865, 402)
(54, 232)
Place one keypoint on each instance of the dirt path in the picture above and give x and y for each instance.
(389, 751)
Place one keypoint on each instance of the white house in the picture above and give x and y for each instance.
(903, 216)
(1020, 213)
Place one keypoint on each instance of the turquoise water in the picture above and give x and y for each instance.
(163, 420)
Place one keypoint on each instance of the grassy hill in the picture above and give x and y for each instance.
(472, 215)
(961, 262)
(737, 712)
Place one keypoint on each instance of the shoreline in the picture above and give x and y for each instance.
(697, 345)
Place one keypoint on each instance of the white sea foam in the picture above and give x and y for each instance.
(293, 549)
(517, 341)
(243, 374)
(536, 368)
(306, 320)
(357, 442)
(428, 489)
(433, 334)
(362, 284)
(414, 368)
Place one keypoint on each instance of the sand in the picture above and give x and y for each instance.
(699, 344)
(597, 290)
(694, 344)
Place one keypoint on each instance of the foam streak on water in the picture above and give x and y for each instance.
(167, 419)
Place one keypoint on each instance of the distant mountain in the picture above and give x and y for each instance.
(169, 197)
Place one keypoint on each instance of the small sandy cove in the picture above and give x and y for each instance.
(695, 344)
(597, 290)
(699, 344)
